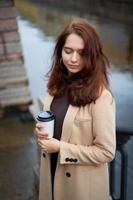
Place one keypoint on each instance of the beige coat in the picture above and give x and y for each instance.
(87, 144)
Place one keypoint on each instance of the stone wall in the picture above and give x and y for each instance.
(14, 89)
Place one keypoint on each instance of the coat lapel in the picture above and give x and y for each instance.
(47, 102)
(68, 122)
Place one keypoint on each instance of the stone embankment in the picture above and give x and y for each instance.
(14, 89)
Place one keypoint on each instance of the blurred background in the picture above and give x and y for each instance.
(28, 30)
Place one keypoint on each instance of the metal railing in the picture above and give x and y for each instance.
(122, 137)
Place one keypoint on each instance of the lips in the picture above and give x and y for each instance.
(73, 66)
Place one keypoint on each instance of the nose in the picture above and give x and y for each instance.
(74, 57)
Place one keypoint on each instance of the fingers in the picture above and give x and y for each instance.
(42, 145)
(39, 131)
(49, 146)
(39, 125)
(41, 134)
(39, 142)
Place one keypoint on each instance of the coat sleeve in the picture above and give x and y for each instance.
(103, 147)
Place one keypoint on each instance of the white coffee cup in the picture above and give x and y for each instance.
(47, 119)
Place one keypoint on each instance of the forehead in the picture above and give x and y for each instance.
(74, 41)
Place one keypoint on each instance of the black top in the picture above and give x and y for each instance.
(59, 108)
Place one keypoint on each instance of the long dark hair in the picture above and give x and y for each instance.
(92, 78)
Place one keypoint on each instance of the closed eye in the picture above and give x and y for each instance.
(67, 50)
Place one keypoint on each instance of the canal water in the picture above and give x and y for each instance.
(38, 26)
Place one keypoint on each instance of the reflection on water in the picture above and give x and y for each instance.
(50, 21)
(37, 53)
(38, 29)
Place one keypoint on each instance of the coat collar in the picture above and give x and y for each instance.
(68, 123)
(69, 118)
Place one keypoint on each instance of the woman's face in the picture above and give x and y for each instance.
(72, 53)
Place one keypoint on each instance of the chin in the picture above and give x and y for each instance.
(73, 71)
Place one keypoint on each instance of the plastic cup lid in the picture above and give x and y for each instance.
(45, 116)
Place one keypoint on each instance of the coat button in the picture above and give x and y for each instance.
(67, 159)
(44, 155)
(75, 160)
(68, 174)
(71, 160)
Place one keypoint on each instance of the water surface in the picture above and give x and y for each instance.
(39, 26)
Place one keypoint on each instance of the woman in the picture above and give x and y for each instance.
(74, 162)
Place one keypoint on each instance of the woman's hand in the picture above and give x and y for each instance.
(40, 133)
(48, 145)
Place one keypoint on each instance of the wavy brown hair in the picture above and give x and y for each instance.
(92, 79)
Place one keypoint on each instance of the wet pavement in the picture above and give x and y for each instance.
(18, 156)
